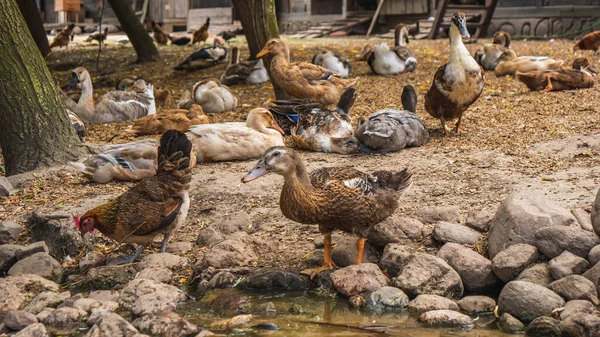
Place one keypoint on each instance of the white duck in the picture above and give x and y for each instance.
(214, 97)
(328, 60)
(509, 63)
(236, 140)
(400, 59)
(114, 106)
(251, 72)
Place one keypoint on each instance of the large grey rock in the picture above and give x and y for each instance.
(449, 232)
(356, 279)
(36, 247)
(162, 260)
(594, 255)
(16, 290)
(593, 274)
(544, 327)
(8, 256)
(480, 220)
(46, 299)
(527, 301)
(476, 304)
(446, 318)
(61, 236)
(431, 215)
(18, 320)
(428, 274)
(41, 264)
(395, 229)
(567, 264)
(209, 237)
(42, 315)
(583, 218)
(64, 316)
(157, 274)
(596, 214)
(109, 324)
(104, 295)
(273, 278)
(240, 221)
(386, 298)
(167, 324)
(34, 330)
(552, 241)
(179, 247)
(424, 303)
(577, 306)
(144, 296)
(509, 324)
(5, 187)
(581, 325)
(106, 277)
(345, 251)
(90, 260)
(89, 305)
(519, 216)
(538, 273)
(395, 257)
(475, 270)
(510, 262)
(576, 287)
(9, 230)
(238, 250)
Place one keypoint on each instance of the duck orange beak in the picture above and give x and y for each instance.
(263, 52)
(258, 171)
(278, 128)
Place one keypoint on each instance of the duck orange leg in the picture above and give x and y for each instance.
(327, 262)
(446, 129)
(360, 248)
(549, 86)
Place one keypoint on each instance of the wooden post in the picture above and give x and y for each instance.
(375, 17)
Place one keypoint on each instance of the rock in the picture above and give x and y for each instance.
(552, 241)
(8, 256)
(266, 326)
(158, 274)
(583, 218)
(395, 229)
(356, 279)
(233, 322)
(449, 232)
(42, 315)
(41, 264)
(222, 279)
(344, 253)
(69, 301)
(480, 220)
(89, 304)
(109, 324)
(386, 298)
(544, 327)
(230, 303)
(233, 223)
(143, 297)
(18, 320)
(581, 325)
(104, 295)
(272, 278)
(431, 215)
(34, 330)
(519, 216)
(576, 287)
(239, 250)
(424, 303)
(509, 324)
(64, 316)
(166, 324)
(477, 304)
(593, 274)
(475, 270)
(14, 291)
(5, 187)
(77, 30)
(567, 264)
(209, 237)
(162, 260)
(107, 277)
(9, 230)
(36, 247)
(90, 260)
(596, 214)
(22, 181)
(527, 301)
(395, 257)
(510, 262)
(61, 236)
(446, 318)
(576, 306)
(538, 273)
(179, 247)
(428, 274)
(594, 255)
(46, 299)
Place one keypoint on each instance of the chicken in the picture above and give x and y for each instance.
(201, 34)
(157, 205)
(589, 42)
(97, 36)
(159, 36)
(63, 38)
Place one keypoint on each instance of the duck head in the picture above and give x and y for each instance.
(508, 55)
(582, 64)
(274, 47)
(345, 145)
(79, 75)
(459, 23)
(261, 117)
(409, 98)
(502, 38)
(277, 159)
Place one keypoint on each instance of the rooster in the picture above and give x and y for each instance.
(157, 205)
(201, 34)
(589, 42)
(159, 36)
(63, 37)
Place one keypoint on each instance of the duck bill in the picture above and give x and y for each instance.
(74, 80)
(278, 128)
(592, 70)
(258, 171)
(464, 32)
(262, 53)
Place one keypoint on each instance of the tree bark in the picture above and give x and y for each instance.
(33, 18)
(260, 24)
(138, 36)
(36, 131)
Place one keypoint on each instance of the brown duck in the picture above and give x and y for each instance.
(341, 198)
(564, 78)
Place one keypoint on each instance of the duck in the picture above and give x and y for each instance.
(457, 84)
(392, 130)
(63, 37)
(236, 140)
(334, 62)
(319, 129)
(114, 106)
(159, 36)
(77, 124)
(400, 59)
(173, 119)
(590, 41)
(580, 75)
(214, 97)
(509, 63)
(334, 198)
(303, 80)
(251, 72)
(97, 36)
(126, 82)
(366, 51)
(488, 58)
(204, 58)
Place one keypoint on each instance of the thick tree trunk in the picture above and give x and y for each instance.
(33, 18)
(36, 130)
(138, 36)
(260, 24)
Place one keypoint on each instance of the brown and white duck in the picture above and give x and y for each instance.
(579, 76)
(400, 59)
(489, 57)
(334, 62)
(509, 63)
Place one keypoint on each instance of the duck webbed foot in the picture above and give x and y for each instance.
(549, 86)
(327, 262)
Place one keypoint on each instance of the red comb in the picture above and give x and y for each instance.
(76, 220)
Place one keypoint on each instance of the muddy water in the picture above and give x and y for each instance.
(307, 315)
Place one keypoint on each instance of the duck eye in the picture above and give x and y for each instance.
(276, 154)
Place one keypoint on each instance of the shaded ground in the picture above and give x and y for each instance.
(515, 139)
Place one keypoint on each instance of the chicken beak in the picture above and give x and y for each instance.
(278, 128)
(258, 171)
(263, 52)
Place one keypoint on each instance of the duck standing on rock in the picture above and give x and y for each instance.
(457, 84)
(341, 198)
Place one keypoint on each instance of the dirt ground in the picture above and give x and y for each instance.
(515, 140)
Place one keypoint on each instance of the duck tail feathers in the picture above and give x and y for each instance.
(399, 181)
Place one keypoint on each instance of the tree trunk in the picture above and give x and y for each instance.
(260, 24)
(36, 130)
(32, 16)
(138, 36)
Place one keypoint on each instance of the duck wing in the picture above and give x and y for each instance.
(351, 178)
(124, 105)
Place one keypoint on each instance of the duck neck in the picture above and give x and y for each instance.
(457, 48)
(256, 124)
(399, 37)
(86, 101)
(298, 180)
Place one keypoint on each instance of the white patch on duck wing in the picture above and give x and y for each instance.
(183, 211)
(363, 183)
(334, 64)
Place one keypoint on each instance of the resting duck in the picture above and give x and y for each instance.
(214, 97)
(509, 63)
(235, 140)
(302, 79)
(400, 59)
(457, 84)
(590, 41)
(489, 57)
(204, 58)
(251, 72)
(114, 106)
(328, 60)
(366, 51)
(175, 119)
(335, 198)
(577, 77)
(97, 36)
(126, 82)
(392, 130)
(77, 124)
